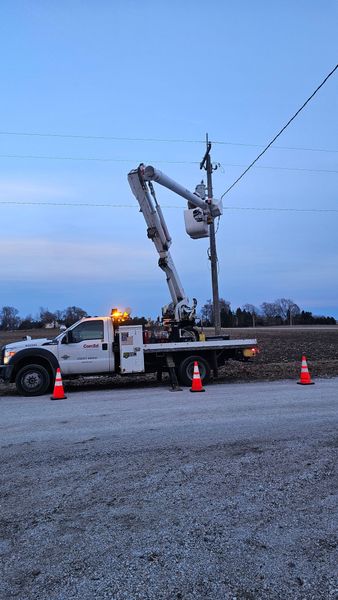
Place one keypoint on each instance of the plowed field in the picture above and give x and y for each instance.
(280, 355)
(281, 351)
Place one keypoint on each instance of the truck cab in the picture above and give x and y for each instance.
(84, 348)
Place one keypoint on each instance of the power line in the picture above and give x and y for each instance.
(281, 131)
(312, 210)
(151, 140)
(286, 168)
(277, 147)
(94, 159)
(171, 162)
(88, 204)
(95, 205)
(102, 137)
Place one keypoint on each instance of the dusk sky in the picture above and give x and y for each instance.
(153, 78)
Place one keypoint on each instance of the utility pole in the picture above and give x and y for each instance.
(207, 165)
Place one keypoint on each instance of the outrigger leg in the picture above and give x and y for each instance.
(172, 373)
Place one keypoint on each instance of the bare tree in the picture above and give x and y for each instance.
(294, 310)
(29, 322)
(287, 309)
(73, 314)
(254, 312)
(207, 310)
(270, 310)
(9, 318)
(207, 313)
(60, 316)
(46, 316)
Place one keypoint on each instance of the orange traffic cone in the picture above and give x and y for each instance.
(58, 393)
(305, 378)
(196, 384)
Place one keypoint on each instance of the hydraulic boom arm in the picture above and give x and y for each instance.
(140, 181)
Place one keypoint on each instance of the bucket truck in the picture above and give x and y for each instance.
(108, 345)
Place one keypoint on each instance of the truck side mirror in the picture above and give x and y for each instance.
(67, 338)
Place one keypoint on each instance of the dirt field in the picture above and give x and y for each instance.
(280, 354)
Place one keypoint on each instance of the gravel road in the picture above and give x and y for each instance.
(137, 494)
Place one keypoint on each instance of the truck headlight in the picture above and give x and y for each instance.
(8, 355)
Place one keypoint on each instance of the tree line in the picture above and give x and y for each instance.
(282, 311)
(10, 319)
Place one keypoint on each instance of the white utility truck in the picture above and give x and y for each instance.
(106, 346)
(94, 346)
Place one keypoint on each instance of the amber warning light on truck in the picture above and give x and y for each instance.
(118, 315)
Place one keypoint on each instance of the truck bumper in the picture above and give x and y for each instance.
(6, 372)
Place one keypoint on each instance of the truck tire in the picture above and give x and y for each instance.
(32, 380)
(186, 369)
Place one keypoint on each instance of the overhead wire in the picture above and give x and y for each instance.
(172, 162)
(281, 130)
(151, 140)
(91, 158)
(251, 165)
(98, 205)
(279, 209)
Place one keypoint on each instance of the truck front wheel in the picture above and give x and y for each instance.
(32, 380)
(186, 369)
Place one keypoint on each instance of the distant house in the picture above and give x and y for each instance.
(52, 325)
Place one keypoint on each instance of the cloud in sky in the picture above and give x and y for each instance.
(46, 260)
(28, 189)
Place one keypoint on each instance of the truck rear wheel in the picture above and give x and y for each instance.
(186, 369)
(32, 380)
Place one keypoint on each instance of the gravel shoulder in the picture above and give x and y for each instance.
(146, 494)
